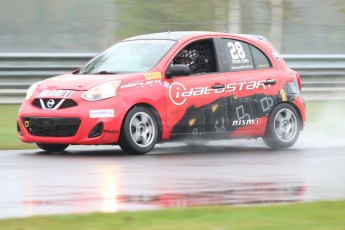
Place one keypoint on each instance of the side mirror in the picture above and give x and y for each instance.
(178, 70)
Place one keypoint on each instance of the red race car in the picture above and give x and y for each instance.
(185, 86)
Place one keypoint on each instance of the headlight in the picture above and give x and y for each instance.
(31, 90)
(102, 91)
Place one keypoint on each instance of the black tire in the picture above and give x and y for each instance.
(139, 133)
(52, 147)
(283, 127)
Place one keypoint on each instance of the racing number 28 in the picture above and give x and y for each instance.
(236, 50)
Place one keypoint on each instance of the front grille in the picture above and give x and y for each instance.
(42, 103)
(68, 103)
(37, 103)
(51, 127)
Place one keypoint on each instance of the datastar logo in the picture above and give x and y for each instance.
(179, 94)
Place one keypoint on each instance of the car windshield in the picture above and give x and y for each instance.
(128, 57)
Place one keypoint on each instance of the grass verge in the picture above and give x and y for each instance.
(314, 216)
(8, 129)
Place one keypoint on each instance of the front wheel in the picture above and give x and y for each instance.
(283, 127)
(139, 132)
(52, 147)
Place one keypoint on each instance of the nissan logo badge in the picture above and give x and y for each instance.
(50, 103)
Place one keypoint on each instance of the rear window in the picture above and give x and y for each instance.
(260, 59)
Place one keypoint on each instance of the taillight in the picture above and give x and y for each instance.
(299, 80)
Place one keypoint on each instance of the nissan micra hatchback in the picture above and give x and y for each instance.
(185, 86)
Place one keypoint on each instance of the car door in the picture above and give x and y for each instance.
(252, 85)
(197, 103)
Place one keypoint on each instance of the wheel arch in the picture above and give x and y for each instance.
(155, 113)
(299, 114)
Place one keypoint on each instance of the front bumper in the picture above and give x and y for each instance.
(83, 124)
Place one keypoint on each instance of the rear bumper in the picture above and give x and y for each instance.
(301, 106)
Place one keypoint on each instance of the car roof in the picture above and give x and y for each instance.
(182, 34)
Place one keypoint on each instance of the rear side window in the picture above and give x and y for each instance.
(238, 55)
(260, 59)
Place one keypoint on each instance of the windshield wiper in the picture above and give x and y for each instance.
(104, 72)
(100, 72)
(76, 72)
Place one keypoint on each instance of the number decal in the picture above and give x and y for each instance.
(232, 50)
(236, 50)
(240, 50)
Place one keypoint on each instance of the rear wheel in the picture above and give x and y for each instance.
(52, 147)
(283, 127)
(139, 132)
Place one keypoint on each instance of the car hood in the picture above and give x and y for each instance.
(83, 82)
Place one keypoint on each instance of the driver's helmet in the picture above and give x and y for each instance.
(187, 57)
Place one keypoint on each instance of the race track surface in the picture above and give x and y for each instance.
(240, 172)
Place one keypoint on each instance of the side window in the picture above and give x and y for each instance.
(199, 56)
(238, 54)
(260, 59)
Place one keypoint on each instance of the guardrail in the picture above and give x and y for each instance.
(323, 76)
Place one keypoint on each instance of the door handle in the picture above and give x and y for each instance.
(218, 86)
(270, 82)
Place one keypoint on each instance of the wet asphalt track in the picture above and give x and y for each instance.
(87, 179)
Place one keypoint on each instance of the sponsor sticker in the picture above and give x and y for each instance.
(262, 66)
(140, 84)
(283, 95)
(108, 131)
(166, 84)
(256, 121)
(102, 113)
(276, 55)
(56, 93)
(154, 75)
